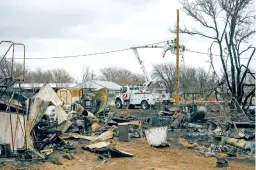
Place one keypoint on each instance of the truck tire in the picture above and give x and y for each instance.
(118, 104)
(144, 105)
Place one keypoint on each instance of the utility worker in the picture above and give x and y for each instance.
(174, 42)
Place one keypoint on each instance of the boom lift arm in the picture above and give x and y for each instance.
(148, 79)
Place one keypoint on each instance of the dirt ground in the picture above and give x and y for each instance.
(175, 157)
(145, 158)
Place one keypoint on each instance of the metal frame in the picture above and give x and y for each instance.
(8, 81)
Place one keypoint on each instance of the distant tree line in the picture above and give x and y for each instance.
(39, 75)
(57, 75)
(191, 79)
(120, 76)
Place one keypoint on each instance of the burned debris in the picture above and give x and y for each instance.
(45, 128)
(49, 127)
(46, 125)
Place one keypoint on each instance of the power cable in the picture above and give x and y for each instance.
(113, 51)
(192, 51)
(84, 55)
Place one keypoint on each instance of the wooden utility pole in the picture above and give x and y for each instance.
(177, 58)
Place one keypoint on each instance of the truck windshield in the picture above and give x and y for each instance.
(124, 90)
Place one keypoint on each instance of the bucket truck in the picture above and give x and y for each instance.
(139, 95)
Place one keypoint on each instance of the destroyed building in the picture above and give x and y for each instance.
(56, 119)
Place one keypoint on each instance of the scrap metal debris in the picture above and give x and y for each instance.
(100, 100)
(240, 143)
(47, 124)
(104, 136)
(192, 125)
(46, 128)
(106, 149)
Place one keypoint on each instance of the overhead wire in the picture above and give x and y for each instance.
(84, 55)
(192, 51)
(113, 51)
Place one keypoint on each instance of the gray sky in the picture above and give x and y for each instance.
(64, 27)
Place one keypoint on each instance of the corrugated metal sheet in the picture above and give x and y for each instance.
(61, 115)
(36, 111)
(38, 105)
(17, 132)
(48, 94)
(98, 84)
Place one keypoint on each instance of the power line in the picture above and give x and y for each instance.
(113, 51)
(84, 55)
(80, 55)
(212, 54)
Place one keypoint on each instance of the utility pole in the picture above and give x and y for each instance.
(177, 58)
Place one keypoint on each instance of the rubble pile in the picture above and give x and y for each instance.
(214, 135)
(46, 129)
(211, 135)
(45, 126)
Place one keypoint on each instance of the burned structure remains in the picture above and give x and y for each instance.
(61, 121)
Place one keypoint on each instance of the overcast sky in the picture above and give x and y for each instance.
(63, 27)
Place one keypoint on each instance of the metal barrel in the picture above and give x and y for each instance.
(123, 132)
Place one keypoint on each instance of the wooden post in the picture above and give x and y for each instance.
(177, 59)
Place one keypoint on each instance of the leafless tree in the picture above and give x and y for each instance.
(88, 74)
(38, 76)
(188, 80)
(109, 74)
(61, 76)
(125, 77)
(138, 79)
(120, 76)
(203, 79)
(192, 80)
(232, 22)
(6, 69)
(50, 76)
(165, 74)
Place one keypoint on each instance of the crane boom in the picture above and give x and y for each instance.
(148, 79)
(168, 46)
